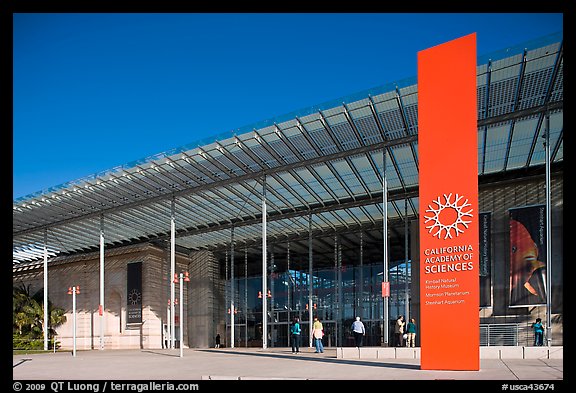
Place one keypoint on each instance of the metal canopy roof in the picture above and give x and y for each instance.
(322, 163)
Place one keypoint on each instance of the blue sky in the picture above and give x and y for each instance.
(93, 91)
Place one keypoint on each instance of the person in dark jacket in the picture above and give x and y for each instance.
(295, 334)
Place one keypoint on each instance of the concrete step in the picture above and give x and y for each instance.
(495, 352)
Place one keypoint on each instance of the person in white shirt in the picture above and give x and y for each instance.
(399, 331)
(358, 331)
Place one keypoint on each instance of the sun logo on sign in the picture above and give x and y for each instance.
(134, 297)
(448, 218)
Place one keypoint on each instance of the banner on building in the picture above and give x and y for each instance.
(134, 293)
(527, 256)
(448, 195)
(485, 266)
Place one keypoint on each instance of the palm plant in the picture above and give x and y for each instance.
(28, 314)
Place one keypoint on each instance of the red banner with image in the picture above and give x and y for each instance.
(527, 256)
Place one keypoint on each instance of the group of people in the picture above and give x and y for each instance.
(401, 329)
(317, 334)
(404, 333)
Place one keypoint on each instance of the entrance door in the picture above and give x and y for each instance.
(279, 329)
(329, 339)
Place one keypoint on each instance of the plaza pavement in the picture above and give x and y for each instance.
(265, 364)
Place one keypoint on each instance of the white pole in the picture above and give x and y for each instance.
(169, 332)
(101, 308)
(181, 315)
(264, 271)
(406, 291)
(232, 288)
(246, 296)
(46, 320)
(385, 241)
(172, 272)
(310, 280)
(360, 298)
(74, 321)
(548, 239)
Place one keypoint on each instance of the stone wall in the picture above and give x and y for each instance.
(84, 270)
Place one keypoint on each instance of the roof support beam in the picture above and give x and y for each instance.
(376, 118)
(486, 111)
(233, 180)
(535, 110)
(352, 125)
(516, 102)
(306, 136)
(547, 104)
(402, 113)
(557, 146)
(317, 234)
(330, 132)
(316, 210)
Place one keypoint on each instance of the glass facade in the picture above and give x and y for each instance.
(338, 296)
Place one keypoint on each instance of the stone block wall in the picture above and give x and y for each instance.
(84, 270)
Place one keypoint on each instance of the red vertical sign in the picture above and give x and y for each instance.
(448, 197)
(385, 289)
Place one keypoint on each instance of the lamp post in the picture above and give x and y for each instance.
(74, 291)
(184, 277)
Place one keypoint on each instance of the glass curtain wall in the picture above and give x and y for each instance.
(338, 296)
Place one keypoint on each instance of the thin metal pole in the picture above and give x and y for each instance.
(288, 290)
(101, 308)
(398, 312)
(232, 287)
(172, 271)
(548, 238)
(340, 293)
(310, 279)
(74, 321)
(182, 315)
(226, 290)
(406, 291)
(361, 284)
(336, 285)
(46, 320)
(264, 270)
(271, 297)
(385, 300)
(246, 297)
(168, 339)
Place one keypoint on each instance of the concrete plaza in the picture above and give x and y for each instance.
(272, 363)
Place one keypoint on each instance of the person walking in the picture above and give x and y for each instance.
(295, 334)
(217, 341)
(359, 331)
(411, 332)
(318, 333)
(538, 332)
(399, 331)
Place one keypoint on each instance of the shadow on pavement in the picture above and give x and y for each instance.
(172, 355)
(304, 357)
(20, 362)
